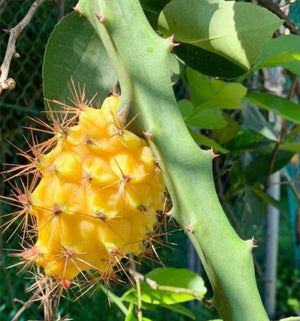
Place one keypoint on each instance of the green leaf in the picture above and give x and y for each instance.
(283, 51)
(245, 139)
(290, 147)
(207, 119)
(207, 62)
(228, 132)
(236, 30)
(206, 94)
(115, 299)
(237, 180)
(259, 166)
(179, 308)
(186, 107)
(253, 208)
(278, 105)
(253, 119)
(256, 188)
(130, 315)
(74, 51)
(172, 279)
(295, 191)
(205, 141)
(152, 10)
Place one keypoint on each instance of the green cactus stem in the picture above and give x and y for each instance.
(142, 59)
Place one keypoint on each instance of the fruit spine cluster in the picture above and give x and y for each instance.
(97, 196)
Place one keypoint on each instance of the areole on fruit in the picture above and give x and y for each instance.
(96, 198)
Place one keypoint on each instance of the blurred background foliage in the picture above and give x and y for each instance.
(248, 208)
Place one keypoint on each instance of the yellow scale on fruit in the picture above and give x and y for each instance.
(97, 198)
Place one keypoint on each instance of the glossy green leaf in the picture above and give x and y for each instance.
(260, 164)
(172, 278)
(236, 30)
(75, 52)
(207, 62)
(278, 105)
(283, 51)
(207, 119)
(205, 141)
(207, 94)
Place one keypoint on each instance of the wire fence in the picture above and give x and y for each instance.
(27, 98)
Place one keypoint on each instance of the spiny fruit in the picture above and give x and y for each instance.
(97, 197)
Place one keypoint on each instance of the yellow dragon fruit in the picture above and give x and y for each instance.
(97, 197)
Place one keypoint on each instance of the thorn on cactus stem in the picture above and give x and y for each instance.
(213, 155)
(190, 229)
(77, 10)
(115, 91)
(172, 44)
(253, 243)
(148, 135)
(100, 17)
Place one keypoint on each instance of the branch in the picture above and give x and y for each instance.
(3, 2)
(276, 10)
(25, 306)
(5, 82)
